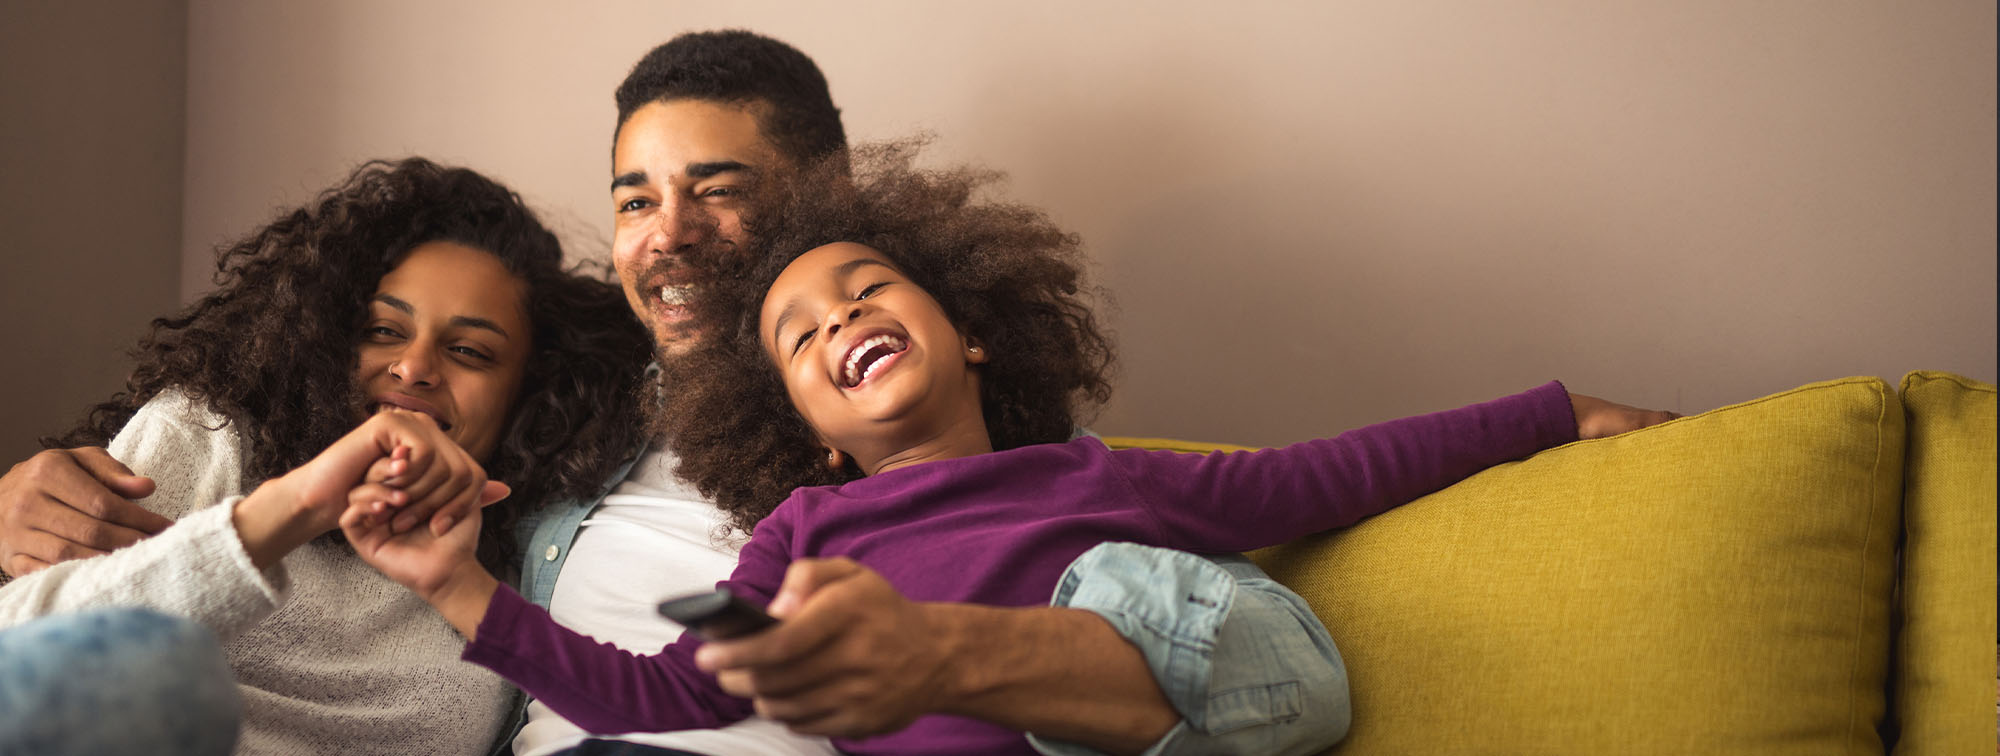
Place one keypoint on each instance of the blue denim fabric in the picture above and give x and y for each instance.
(1242, 658)
(545, 537)
(115, 681)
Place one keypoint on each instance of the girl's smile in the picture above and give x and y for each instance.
(869, 353)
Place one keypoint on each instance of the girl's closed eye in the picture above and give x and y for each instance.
(803, 338)
(872, 288)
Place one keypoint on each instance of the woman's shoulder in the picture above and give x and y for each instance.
(192, 452)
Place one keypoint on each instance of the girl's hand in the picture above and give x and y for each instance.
(418, 559)
(439, 568)
(1597, 418)
(298, 506)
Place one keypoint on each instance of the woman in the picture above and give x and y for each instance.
(413, 299)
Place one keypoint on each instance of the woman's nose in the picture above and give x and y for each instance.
(414, 367)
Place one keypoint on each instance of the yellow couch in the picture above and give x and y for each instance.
(1811, 572)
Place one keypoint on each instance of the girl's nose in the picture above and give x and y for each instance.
(840, 317)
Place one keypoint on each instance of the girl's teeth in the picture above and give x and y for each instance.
(861, 350)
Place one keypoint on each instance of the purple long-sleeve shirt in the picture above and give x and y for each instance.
(999, 529)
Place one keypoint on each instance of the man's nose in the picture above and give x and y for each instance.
(681, 225)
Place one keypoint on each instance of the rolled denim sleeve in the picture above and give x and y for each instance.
(1239, 656)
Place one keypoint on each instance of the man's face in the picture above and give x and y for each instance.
(682, 174)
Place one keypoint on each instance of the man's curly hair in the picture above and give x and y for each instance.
(1004, 273)
(272, 349)
(744, 68)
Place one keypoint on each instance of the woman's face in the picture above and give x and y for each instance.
(448, 335)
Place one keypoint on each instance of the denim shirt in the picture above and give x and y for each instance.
(546, 536)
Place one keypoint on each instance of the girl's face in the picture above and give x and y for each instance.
(448, 335)
(868, 358)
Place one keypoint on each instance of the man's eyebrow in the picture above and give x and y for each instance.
(693, 170)
(715, 167)
(468, 321)
(628, 178)
(396, 303)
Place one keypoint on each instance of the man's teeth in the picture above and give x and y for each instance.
(676, 296)
(853, 373)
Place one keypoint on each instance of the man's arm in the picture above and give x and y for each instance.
(65, 504)
(853, 658)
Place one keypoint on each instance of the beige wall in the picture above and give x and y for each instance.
(91, 129)
(1313, 215)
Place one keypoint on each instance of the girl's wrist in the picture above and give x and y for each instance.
(464, 596)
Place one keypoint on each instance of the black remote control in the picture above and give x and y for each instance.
(716, 615)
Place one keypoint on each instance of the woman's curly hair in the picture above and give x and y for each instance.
(273, 348)
(1004, 273)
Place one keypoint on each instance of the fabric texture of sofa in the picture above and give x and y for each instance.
(1809, 572)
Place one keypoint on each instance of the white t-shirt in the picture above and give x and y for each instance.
(653, 538)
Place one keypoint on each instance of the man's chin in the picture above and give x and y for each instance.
(670, 341)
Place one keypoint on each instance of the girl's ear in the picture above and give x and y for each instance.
(835, 460)
(975, 352)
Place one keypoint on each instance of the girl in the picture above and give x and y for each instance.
(922, 358)
(427, 306)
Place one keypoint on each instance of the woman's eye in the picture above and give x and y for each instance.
(473, 353)
(865, 293)
(381, 331)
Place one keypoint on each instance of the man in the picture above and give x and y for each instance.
(706, 122)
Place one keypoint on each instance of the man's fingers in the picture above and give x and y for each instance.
(72, 477)
(736, 682)
(784, 644)
(20, 565)
(102, 504)
(112, 473)
(49, 548)
(66, 523)
(803, 578)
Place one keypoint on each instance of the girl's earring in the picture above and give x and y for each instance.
(972, 350)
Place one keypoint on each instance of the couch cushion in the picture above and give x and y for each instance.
(1715, 584)
(1941, 685)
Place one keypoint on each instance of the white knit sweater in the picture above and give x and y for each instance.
(348, 662)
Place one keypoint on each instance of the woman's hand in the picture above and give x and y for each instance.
(1597, 418)
(298, 506)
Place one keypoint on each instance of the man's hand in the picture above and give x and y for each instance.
(1597, 418)
(851, 658)
(65, 504)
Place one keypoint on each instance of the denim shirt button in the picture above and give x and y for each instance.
(550, 555)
